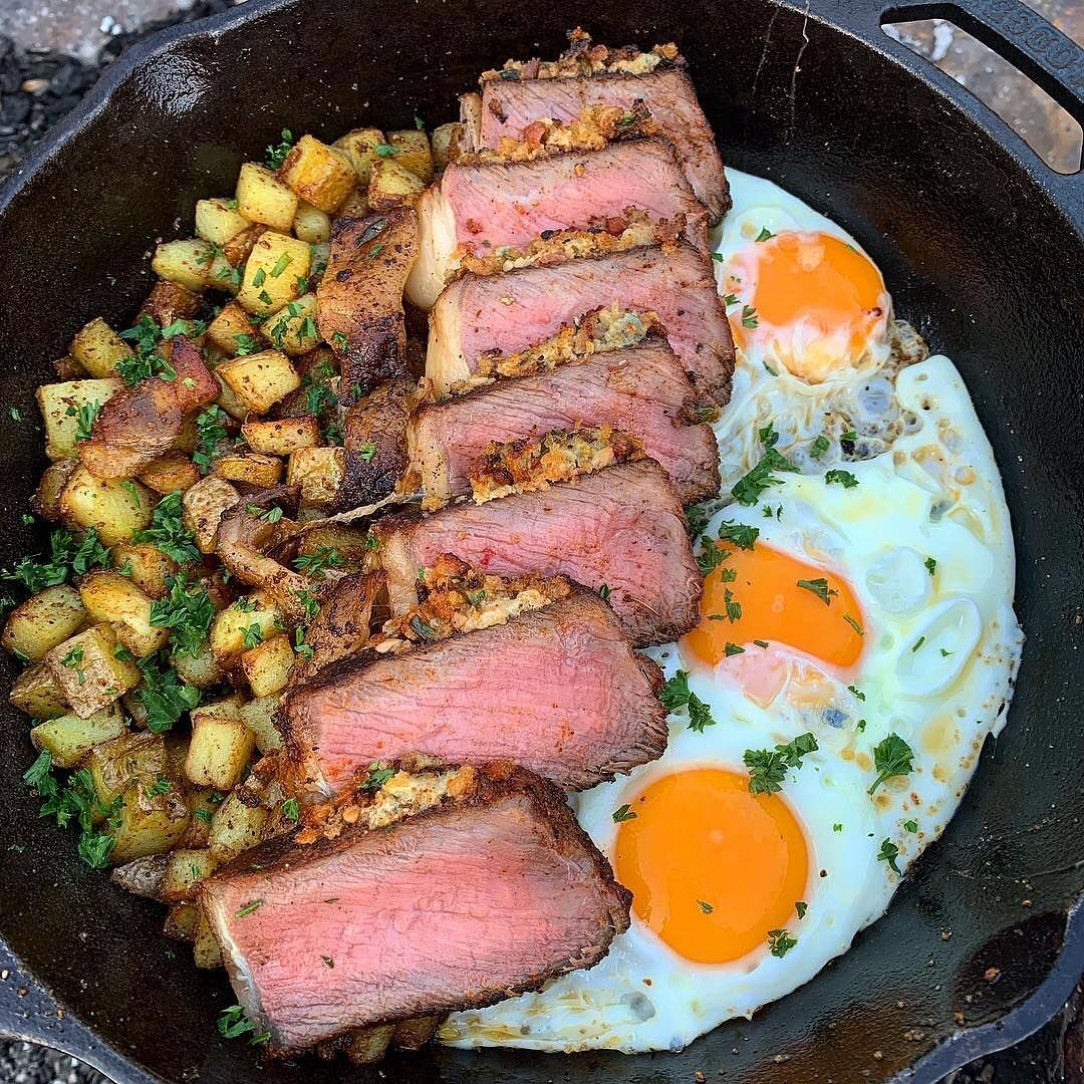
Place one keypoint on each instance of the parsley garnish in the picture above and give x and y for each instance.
(748, 489)
(749, 316)
(386, 150)
(705, 907)
(164, 696)
(604, 592)
(377, 777)
(276, 152)
(768, 767)
(856, 692)
(910, 826)
(800, 907)
(623, 813)
(891, 757)
(820, 588)
(189, 612)
(765, 234)
(854, 624)
(68, 556)
(284, 261)
(87, 415)
(740, 534)
(232, 1024)
(168, 532)
(780, 942)
(710, 557)
(931, 565)
(291, 810)
(249, 908)
(339, 340)
(210, 429)
(889, 852)
(252, 635)
(367, 452)
(676, 694)
(315, 564)
(841, 477)
(733, 649)
(819, 447)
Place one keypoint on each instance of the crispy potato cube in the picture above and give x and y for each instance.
(228, 631)
(46, 500)
(116, 508)
(444, 139)
(229, 402)
(356, 205)
(113, 598)
(293, 328)
(312, 225)
(393, 185)
(170, 472)
(267, 665)
(236, 827)
(69, 738)
(151, 822)
(236, 250)
(98, 348)
(184, 869)
(170, 301)
(219, 750)
(251, 467)
(319, 174)
(272, 272)
(119, 764)
(37, 692)
(319, 472)
(56, 400)
(413, 152)
(283, 436)
(229, 326)
(147, 565)
(180, 924)
(259, 717)
(203, 803)
(44, 620)
(200, 670)
(88, 671)
(203, 506)
(187, 262)
(218, 220)
(360, 147)
(206, 951)
(262, 197)
(260, 380)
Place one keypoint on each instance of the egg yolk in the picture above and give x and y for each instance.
(810, 300)
(712, 868)
(762, 594)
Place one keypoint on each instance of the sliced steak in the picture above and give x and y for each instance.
(622, 528)
(581, 707)
(505, 314)
(488, 204)
(641, 390)
(509, 106)
(467, 903)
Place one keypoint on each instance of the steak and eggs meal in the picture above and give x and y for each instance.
(512, 585)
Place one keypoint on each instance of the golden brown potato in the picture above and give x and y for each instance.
(170, 301)
(267, 665)
(37, 692)
(115, 508)
(90, 673)
(98, 348)
(262, 197)
(187, 262)
(170, 472)
(219, 751)
(312, 225)
(412, 152)
(293, 328)
(445, 141)
(360, 148)
(142, 876)
(184, 869)
(116, 765)
(218, 220)
(241, 626)
(68, 739)
(319, 472)
(44, 620)
(115, 599)
(283, 436)
(151, 821)
(146, 565)
(180, 924)
(393, 185)
(258, 715)
(276, 272)
(236, 827)
(356, 205)
(250, 467)
(64, 406)
(203, 506)
(46, 500)
(320, 175)
(232, 331)
(206, 952)
(200, 669)
(260, 380)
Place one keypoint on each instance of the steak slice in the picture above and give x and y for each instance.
(505, 314)
(509, 106)
(462, 905)
(622, 528)
(641, 390)
(582, 706)
(483, 205)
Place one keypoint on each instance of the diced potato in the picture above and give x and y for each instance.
(293, 328)
(444, 137)
(180, 924)
(46, 500)
(111, 597)
(147, 565)
(206, 952)
(67, 368)
(262, 197)
(229, 402)
(350, 543)
(203, 803)
(393, 185)
(272, 272)
(413, 152)
(203, 506)
(56, 400)
(88, 671)
(229, 707)
(170, 301)
(319, 472)
(319, 174)
(150, 823)
(117, 765)
(44, 620)
(184, 869)
(312, 225)
(219, 750)
(37, 692)
(223, 275)
(251, 467)
(360, 147)
(170, 472)
(69, 738)
(356, 205)
(230, 325)
(142, 876)
(116, 508)
(236, 251)
(283, 436)
(200, 669)
(218, 220)
(259, 716)
(260, 380)
(228, 631)
(187, 262)
(267, 665)
(98, 348)
(236, 827)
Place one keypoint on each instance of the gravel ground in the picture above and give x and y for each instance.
(39, 85)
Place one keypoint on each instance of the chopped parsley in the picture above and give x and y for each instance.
(378, 776)
(284, 261)
(252, 635)
(819, 447)
(623, 813)
(931, 565)
(291, 810)
(780, 942)
(386, 150)
(604, 592)
(854, 624)
(733, 649)
(910, 826)
(67, 555)
(749, 316)
(820, 588)
(86, 416)
(889, 852)
(800, 908)
(740, 534)
(748, 489)
(891, 757)
(765, 234)
(316, 564)
(367, 452)
(856, 692)
(841, 477)
(168, 532)
(187, 611)
(210, 429)
(676, 694)
(277, 152)
(164, 696)
(249, 908)
(339, 340)
(705, 907)
(768, 767)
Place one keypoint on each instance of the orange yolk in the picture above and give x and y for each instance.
(775, 609)
(818, 302)
(711, 867)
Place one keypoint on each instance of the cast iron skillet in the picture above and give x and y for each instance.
(982, 247)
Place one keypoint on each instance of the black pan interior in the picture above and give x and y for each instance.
(976, 253)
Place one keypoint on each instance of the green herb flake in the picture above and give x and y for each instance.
(780, 942)
(889, 852)
(768, 767)
(841, 477)
(891, 757)
(820, 588)
(623, 813)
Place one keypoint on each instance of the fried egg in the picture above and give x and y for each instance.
(857, 644)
